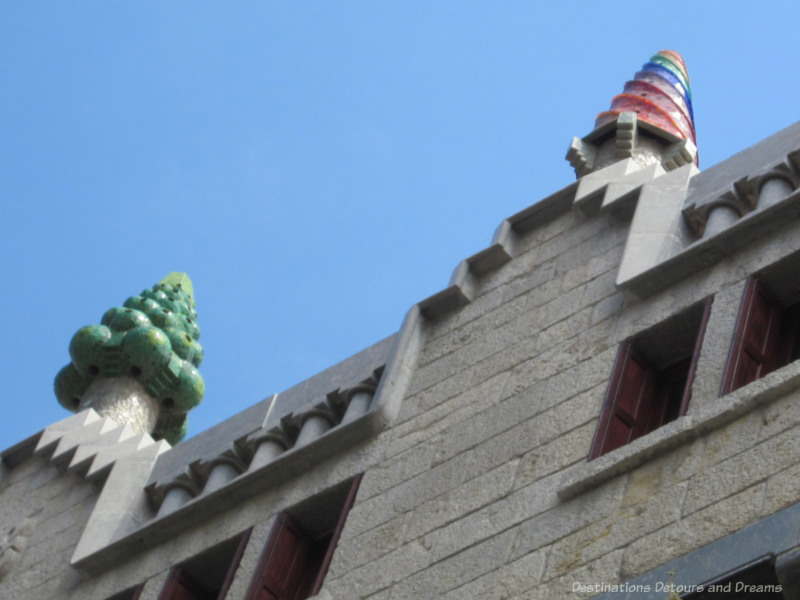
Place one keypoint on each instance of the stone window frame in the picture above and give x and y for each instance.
(586, 476)
(650, 384)
(184, 580)
(703, 419)
(298, 552)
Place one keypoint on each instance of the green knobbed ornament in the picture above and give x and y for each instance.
(139, 365)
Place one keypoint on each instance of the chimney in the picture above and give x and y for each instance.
(651, 121)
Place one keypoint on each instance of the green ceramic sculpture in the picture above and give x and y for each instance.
(151, 339)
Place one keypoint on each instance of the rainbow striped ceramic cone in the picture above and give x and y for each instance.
(651, 121)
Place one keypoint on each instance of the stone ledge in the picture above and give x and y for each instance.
(489, 259)
(461, 288)
(706, 252)
(586, 476)
(545, 210)
(444, 302)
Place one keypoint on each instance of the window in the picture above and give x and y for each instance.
(765, 337)
(300, 547)
(208, 575)
(651, 382)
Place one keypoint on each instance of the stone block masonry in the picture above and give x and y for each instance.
(504, 402)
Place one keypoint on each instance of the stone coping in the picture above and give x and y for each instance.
(706, 252)
(588, 475)
(715, 180)
(266, 414)
(101, 554)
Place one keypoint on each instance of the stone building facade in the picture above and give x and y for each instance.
(604, 403)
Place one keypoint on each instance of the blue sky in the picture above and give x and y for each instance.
(315, 167)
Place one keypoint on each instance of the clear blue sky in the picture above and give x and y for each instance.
(315, 167)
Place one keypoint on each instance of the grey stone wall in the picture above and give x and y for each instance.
(42, 515)
(506, 396)
(502, 409)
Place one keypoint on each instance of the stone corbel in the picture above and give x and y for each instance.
(189, 483)
(792, 163)
(359, 397)
(266, 447)
(582, 156)
(628, 137)
(680, 153)
(220, 470)
(283, 434)
(736, 202)
(315, 422)
(777, 183)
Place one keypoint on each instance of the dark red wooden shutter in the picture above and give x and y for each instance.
(181, 586)
(293, 566)
(756, 348)
(283, 561)
(627, 408)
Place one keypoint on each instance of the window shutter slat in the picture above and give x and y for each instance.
(757, 330)
(626, 410)
(729, 379)
(758, 346)
(606, 423)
